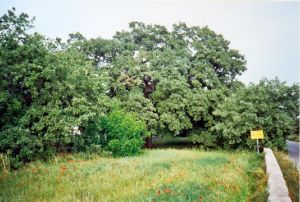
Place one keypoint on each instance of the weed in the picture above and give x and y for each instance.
(5, 164)
(290, 174)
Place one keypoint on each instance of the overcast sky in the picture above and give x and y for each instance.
(267, 32)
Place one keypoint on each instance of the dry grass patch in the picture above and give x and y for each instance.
(290, 174)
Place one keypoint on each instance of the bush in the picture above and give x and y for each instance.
(123, 133)
(21, 147)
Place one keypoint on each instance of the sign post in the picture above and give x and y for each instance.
(257, 134)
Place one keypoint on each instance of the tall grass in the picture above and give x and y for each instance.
(290, 174)
(156, 175)
(4, 164)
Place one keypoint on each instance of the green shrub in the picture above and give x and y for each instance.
(123, 133)
(21, 147)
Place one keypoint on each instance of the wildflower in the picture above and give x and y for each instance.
(167, 191)
(158, 192)
(62, 170)
(33, 170)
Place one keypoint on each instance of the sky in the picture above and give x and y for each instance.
(266, 32)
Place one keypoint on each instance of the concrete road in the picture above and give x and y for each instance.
(293, 149)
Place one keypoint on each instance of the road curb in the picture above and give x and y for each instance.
(278, 191)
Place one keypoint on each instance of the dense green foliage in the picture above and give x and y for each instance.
(45, 92)
(180, 82)
(269, 105)
(123, 133)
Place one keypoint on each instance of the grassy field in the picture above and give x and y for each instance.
(155, 175)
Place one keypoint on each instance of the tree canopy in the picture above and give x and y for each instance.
(180, 82)
(181, 74)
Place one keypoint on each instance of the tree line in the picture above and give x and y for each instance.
(97, 94)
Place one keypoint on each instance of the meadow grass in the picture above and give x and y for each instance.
(155, 175)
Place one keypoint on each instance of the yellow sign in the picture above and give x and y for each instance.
(257, 134)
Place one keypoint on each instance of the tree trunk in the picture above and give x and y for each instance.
(148, 142)
(148, 86)
(148, 89)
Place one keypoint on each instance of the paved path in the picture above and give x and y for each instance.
(293, 149)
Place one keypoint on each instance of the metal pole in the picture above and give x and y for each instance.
(257, 146)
